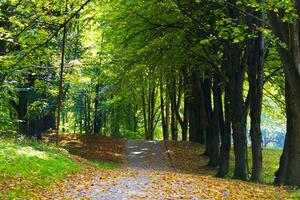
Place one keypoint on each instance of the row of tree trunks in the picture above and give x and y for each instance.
(204, 116)
(164, 113)
(206, 123)
(183, 89)
(149, 111)
(31, 126)
(41, 124)
(235, 61)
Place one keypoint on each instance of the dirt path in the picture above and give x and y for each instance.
(147, 174)
(150, 155)
(145, 161)
(135, 180)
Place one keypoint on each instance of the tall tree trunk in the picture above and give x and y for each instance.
(61, 73)
(168, 117)
(4, 23)
(292, 176)
(174, 128)
(236, 80)
(185, 118)
(144, 108)
(87, 114)
(151, 114)
(216, 126)
(225, 137)
(148, 136)
(289, 33)
(197, 112)
(238, 118)
(256, 78)
(97, 114)
(281, 173)
(163, 115)
(185, 122)
(80, 120)
(182, 121)
(209, 112)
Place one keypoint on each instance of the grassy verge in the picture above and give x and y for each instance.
(107, 165)
(271, 159)
(27, 165)
(270, 163)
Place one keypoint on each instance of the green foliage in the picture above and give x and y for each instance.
(126, 47)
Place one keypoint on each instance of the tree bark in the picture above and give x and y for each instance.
(97, 114)
(144, 109)
(225, 137)
(256, 79)
(148, 106)
(61, 73)
(216, 123)
(238, 118)
(174, 128)
(290, 160)
(163, 115)
(197, 112)
(293, 138)
(209, 112)
(237, 64)
(280, 174)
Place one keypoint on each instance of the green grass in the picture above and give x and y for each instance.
(106, 165)
(294, 194)
(271, 159)
(33, 164)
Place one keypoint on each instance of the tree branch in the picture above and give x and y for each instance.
(53, 35)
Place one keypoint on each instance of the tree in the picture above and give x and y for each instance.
(288, 32)
(256, 52)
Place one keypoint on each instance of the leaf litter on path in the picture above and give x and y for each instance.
(139, 179)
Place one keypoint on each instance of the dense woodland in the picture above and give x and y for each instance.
(215, 72)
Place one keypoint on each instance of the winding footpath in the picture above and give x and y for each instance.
(148, 174)
(144, 158)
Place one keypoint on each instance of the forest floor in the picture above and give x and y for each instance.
(109, 168)
(150, 170)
